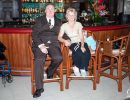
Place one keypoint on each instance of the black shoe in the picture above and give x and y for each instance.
(41, 90)
(38, 93)
(48, 75)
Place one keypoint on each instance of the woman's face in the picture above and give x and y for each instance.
(71, 16)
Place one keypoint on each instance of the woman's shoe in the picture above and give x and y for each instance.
(76, 71)
(83, 72)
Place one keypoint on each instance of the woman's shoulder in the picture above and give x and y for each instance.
(78, 24)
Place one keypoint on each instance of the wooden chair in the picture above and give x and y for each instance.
(92, 69)
(58, 75)
(118, 60)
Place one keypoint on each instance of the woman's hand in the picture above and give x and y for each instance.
(67, 42)
(83, 49)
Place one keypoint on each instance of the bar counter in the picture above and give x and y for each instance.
(102, 28)
(15, 30)
(17, 39)
(90, 28)
(103, 32)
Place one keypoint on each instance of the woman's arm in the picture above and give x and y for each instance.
(82, 39)
(82, 42)
(61, 39)
(81, 34)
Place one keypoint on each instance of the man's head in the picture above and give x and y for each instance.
(50, 10)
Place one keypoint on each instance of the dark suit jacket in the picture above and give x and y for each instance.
(42, 33)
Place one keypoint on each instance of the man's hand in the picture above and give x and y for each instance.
(43, 48)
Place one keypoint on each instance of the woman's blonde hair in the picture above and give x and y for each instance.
(71, 10)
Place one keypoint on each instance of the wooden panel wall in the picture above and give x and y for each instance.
(17, 52)
(103, 35)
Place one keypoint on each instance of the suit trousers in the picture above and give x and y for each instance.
(39, 60)
(80, 59)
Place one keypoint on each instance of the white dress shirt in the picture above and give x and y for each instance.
(52, 21)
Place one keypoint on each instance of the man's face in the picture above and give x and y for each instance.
(50, 11)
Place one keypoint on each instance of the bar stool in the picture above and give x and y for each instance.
(118, 60)
(58, 75)
(92, 69)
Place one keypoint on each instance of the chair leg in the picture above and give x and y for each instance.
(90, 69)
(67, 74)
(99, 68)
(129, 68)
(120, 75)
(95, 74)
(98, 76)
(33, 87)
(33, 84)
(120, 85)
(32, 78)
(61, 77)
(67, 83)
(111, 67)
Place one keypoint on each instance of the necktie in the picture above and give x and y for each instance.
(49, 22)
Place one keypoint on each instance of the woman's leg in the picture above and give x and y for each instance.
(81, 60)
(85, 57)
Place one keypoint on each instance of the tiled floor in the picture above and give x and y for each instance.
(20, 89)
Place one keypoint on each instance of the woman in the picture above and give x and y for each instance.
(80, 51)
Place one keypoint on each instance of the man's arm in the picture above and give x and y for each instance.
(37, 29)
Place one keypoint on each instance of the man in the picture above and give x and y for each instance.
(45, 41)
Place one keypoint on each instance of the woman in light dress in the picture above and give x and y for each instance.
(80, 51)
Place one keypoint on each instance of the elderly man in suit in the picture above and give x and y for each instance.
(45, 41)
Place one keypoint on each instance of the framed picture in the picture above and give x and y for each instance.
(126, 6)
